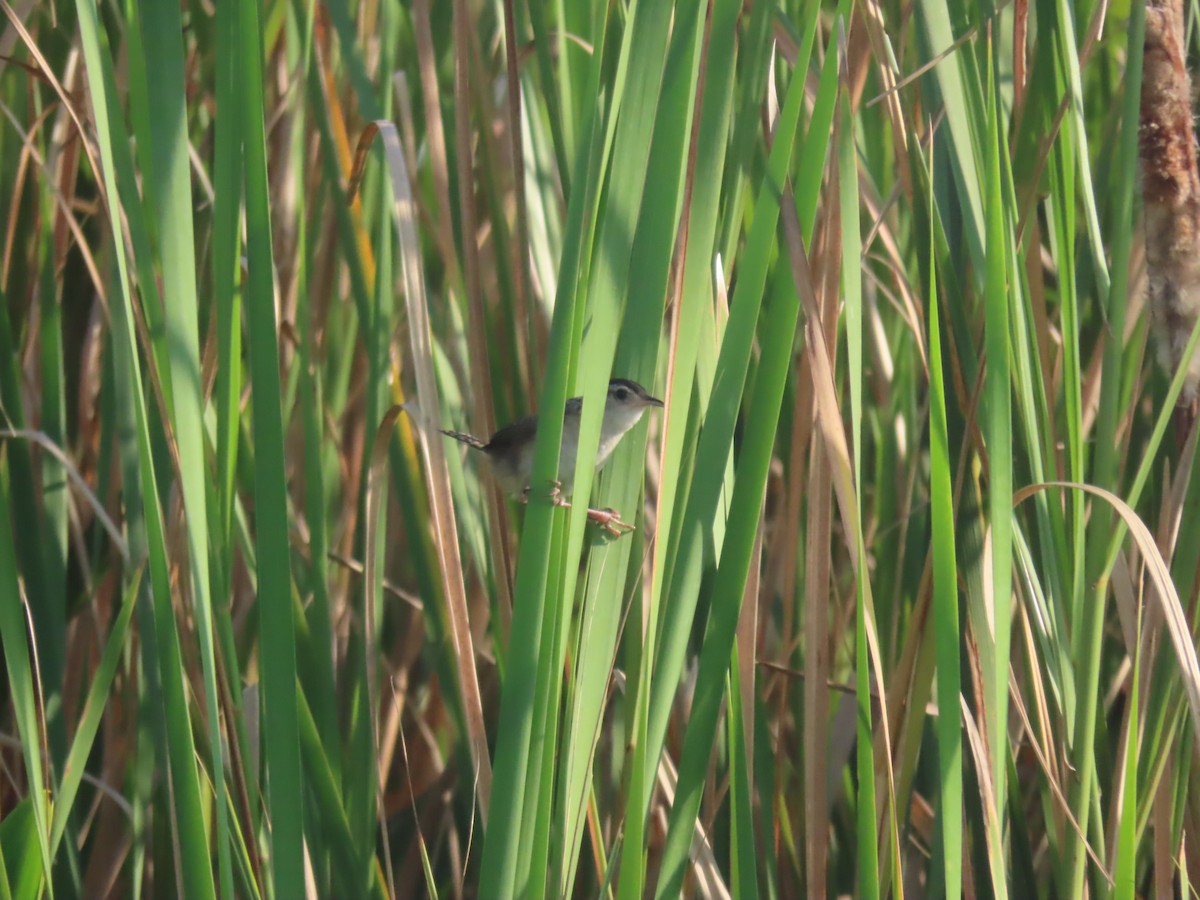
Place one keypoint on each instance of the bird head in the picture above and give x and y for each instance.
(626, 402)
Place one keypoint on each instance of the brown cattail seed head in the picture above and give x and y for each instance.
(1171, 190)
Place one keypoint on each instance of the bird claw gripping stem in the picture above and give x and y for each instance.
(610, 520)
(607, 518)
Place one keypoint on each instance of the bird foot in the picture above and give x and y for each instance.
(607, 518)
(554, 495)
(610, 520)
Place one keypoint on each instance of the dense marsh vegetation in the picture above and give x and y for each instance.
(910, 603)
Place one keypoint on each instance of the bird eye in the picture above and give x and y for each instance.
(621, 393)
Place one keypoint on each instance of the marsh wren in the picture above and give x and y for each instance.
(510, 450)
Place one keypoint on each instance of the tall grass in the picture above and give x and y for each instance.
(909, 610)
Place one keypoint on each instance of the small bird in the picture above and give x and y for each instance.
(510, 450)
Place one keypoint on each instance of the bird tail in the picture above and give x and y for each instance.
(469, 439)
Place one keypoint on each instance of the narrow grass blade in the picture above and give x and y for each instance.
(162, 653)
(169, 167)
(945, 601)
(729, 586)
(276, 627)
(23, 681)
(680, 603)
(89, 721)
(21, 869)
(999, 284)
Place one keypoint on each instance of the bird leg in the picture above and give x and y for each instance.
(610, 520)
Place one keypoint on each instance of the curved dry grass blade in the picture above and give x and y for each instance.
(432, 453)
(1160, 578)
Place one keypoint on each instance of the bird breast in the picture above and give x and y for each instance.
(513, 468)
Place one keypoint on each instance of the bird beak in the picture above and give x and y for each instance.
(654, 401)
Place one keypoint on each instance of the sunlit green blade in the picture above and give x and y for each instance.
(169, 167)
(141, 486)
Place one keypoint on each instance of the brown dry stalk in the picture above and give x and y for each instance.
(1171, 191)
